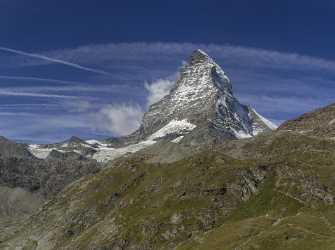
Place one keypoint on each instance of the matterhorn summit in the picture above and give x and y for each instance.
(203, 96)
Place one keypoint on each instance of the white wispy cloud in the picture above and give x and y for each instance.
(122, 119)
(32, 94)
(158, 89)
(283, 104)
(77, 106)
(233, 55)
(18, 114)
(119, 119)
(37, 79)
(54, 60)
(67, 91)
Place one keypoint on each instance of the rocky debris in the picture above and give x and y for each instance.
(303, 186)
(17, 202)
(248, 183)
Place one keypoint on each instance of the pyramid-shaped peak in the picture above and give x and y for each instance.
(199, 56)
(201, 52)
(203, 96)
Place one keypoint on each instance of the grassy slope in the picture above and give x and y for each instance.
(277, 217)
(319, 123)
(138, 204)
(271, 220)
(202, 202)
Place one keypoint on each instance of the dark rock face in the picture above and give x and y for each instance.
(70, 147)
(44, 177)
(248, 182)
(56, 155)
(29, 181)
(10, 149)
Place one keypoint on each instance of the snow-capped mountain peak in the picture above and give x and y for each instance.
(199, 56)
(199, 109)
(203, 95)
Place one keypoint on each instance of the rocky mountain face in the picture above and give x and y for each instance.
(74, 148)
(204, 97)
(11, 149)
(26, 181)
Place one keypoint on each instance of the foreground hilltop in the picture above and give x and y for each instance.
(320, 123)
(274, 190)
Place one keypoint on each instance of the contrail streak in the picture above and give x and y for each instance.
(30, 94)
(49, 59)
(39, 79)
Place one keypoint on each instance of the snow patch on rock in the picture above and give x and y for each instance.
(173, 127)
(38, 152)
(268, 123)
(181, 127)
(106, 154)
(92, 142)
(241, 134)
(178, 139)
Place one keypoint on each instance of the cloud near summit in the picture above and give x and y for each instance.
(158, 89)
(122, 119)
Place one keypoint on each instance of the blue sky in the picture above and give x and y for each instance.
(91, 68)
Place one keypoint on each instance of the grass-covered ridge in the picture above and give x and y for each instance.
(281, 196)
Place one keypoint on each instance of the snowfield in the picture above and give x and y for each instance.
(105, 153)
(178, 139)
(268, 123)
(173, 127)
(241, 134)
(38, 152)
